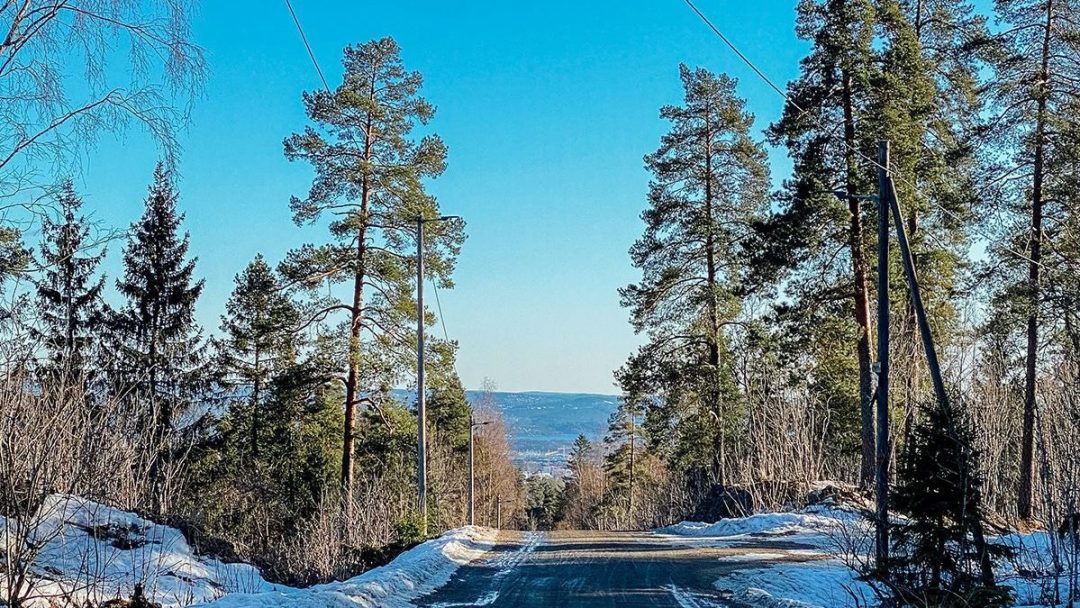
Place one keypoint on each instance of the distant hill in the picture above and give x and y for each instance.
(543, 426)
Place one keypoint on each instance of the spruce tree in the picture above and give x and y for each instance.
(160, 349)
(260, 339)
(369, 177)
(1035, 84)
(69, 292)
(941, 556)
(709, 182)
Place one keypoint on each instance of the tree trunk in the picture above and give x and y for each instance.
(862, 299)
(355, 328)
(630, 501)
(719, 447)
(1027, 441)
(255, 390)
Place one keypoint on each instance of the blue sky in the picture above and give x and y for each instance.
(547, 109)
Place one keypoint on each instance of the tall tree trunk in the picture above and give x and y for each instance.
(255, 390)
(719, 447)
(355, 329)
(630, 502)
(862, 299)
(1027, 441)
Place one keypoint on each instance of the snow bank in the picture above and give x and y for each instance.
(94, 552)
(415, 573)
(773, 568)
(812, 521)
(784, 560)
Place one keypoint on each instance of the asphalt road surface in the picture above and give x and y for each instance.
(596, 569)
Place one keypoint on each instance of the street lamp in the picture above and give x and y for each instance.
(473, 425)
(421, 397)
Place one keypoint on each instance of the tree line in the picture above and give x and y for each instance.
(279, 438)
(757, 374)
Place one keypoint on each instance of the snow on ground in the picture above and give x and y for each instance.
(796, 560)
(1031, 573)
(784, 560)
(414, 573)
(93, 552)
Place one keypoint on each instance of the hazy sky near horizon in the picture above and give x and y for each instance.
(547, 109)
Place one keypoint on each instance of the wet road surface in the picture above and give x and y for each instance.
(595, 569)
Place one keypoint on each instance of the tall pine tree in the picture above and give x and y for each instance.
(369, 178)
(1033, 93)
(823, 238)
(710, 181)
(69, 292)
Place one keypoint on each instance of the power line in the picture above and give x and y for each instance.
(741, 55)
(438, 304)
(803, 112)
(322, 77)
(311, 53)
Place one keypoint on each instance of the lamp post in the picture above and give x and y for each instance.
(472, 471)
(421, 396)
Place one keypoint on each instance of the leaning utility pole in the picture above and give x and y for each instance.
(882, 472)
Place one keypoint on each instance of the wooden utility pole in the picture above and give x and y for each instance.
(421, 397)
(472, 472)
(421, 393)
(882, 471)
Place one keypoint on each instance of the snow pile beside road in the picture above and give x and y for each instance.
(784, 560)
(415, 573)
(814, 521)
(797, 560)
(93, 552)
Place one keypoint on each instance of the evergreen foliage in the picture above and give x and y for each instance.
(941, 557)
(369, 177)
(260, 339)
(160, 347)
(69, 293)
(710, 180)
(1032, 107)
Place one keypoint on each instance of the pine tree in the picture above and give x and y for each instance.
(710, 180)
(941, 556)
(1035, 84)
(824, 129)
(160, 349)
(926, 102)
(69, 292)
(260, 338)
(369, 173)
(624, 459)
